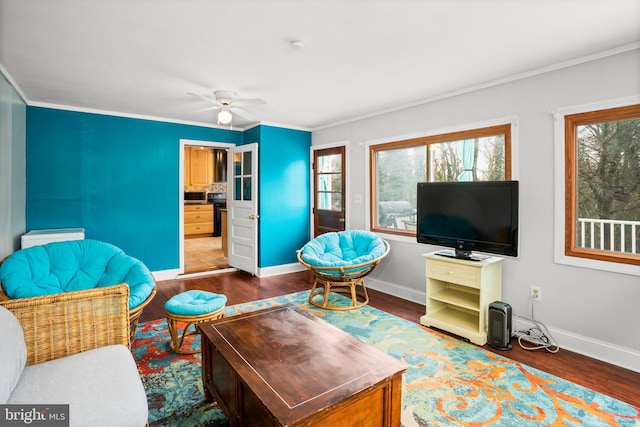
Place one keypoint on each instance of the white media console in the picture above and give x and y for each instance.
(459, 293)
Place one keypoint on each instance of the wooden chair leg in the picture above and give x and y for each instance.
(354, 296)
(327, 289)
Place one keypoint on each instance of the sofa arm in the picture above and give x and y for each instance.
(63, 324)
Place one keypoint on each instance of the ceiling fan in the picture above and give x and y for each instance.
(225, 101)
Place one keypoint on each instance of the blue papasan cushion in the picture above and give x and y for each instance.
(343, 249)
(71, 266)
(195, 303)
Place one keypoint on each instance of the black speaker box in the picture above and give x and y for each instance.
(500, 328)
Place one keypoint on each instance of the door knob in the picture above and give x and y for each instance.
(254, 216)
(341, 220)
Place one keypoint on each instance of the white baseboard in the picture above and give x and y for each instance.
(596, 349)
(280, 269)
(262, 272)
(600, 350)
(397, 290)
(166, 274)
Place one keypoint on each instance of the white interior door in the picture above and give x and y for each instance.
(242, 208)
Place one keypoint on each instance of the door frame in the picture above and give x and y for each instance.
(183, 143)
(347, 188)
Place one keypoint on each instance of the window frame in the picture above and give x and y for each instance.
(570, 122)
(502, 128)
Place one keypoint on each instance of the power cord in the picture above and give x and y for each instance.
(538, 335)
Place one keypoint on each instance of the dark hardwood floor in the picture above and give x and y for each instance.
(239, 287)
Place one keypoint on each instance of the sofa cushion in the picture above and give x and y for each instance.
(13, 353)
(71, 266)
(101, 386)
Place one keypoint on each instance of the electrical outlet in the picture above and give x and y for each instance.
(536, 293)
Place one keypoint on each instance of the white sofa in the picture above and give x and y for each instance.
(100, 383)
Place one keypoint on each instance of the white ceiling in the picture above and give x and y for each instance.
(142, 57)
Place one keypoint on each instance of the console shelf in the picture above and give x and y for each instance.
(469, 300)
(459, 293)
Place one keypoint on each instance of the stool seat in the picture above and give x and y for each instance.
(191, 307)
(195, 303)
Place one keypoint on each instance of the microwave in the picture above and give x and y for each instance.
(195, 197)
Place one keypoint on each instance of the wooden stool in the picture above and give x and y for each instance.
(191, 307)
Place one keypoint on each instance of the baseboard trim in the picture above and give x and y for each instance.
(396, 290)
(596, 349)
(166, 274)
(262, 272)
(280, 269)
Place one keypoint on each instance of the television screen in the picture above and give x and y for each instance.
(469, 216)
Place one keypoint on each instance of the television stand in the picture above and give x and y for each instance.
(459, 293)
(460, 254)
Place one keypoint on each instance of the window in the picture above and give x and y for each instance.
(396, 168)
(602, 185)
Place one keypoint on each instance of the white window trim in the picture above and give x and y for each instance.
(515, 160)
(559, 188)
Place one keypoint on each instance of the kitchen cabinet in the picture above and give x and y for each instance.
(198, 166)
(198, 220)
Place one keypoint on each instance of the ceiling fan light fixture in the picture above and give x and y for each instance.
(224, 116)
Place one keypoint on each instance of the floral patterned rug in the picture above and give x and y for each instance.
(449, 382)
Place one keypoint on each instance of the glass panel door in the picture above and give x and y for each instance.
(329, 190)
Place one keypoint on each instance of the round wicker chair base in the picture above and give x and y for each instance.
(177, 336)
(341, 279)
(359, 297)
(136, 312)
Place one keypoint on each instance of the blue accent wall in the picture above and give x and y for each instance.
(285, 206)
(116, 177)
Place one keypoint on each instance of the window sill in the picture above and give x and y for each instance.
(396, 237)
(612, 267)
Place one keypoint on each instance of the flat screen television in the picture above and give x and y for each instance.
(469, 216)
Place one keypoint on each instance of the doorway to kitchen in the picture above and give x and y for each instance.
(203, 194)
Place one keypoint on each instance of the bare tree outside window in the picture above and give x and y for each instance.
(603, 148)
(397, 167)
(487, 159)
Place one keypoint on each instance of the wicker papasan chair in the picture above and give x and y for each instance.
(340, 261)
(79, 265)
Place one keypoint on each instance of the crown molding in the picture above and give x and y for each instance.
(12, 82)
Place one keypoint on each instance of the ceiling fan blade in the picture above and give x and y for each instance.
(205, 97)
(215, 107)
(247, 102)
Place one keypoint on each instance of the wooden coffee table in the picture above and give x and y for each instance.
(283, 366)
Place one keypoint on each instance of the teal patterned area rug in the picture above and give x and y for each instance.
(448, 383)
